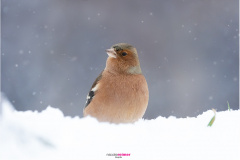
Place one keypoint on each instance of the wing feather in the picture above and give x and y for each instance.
(93, 90)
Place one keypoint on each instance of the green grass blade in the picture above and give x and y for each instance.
(228, 106)
(213, 118)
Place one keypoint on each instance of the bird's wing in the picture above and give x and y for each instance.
(91, 93)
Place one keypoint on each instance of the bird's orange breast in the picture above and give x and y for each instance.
(119, 98)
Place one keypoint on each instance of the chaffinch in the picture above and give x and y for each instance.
(120, 92)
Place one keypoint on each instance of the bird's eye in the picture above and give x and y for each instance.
(124, 53)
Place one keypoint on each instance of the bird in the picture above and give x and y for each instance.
(120, 93)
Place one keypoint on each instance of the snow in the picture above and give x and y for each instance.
(50, 135)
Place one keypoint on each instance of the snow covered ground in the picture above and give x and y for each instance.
(49, 135)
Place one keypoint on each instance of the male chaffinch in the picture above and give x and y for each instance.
(120, 92)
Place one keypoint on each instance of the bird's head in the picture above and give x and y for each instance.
(123, 58)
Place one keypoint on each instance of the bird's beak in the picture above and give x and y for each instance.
(111, 53)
